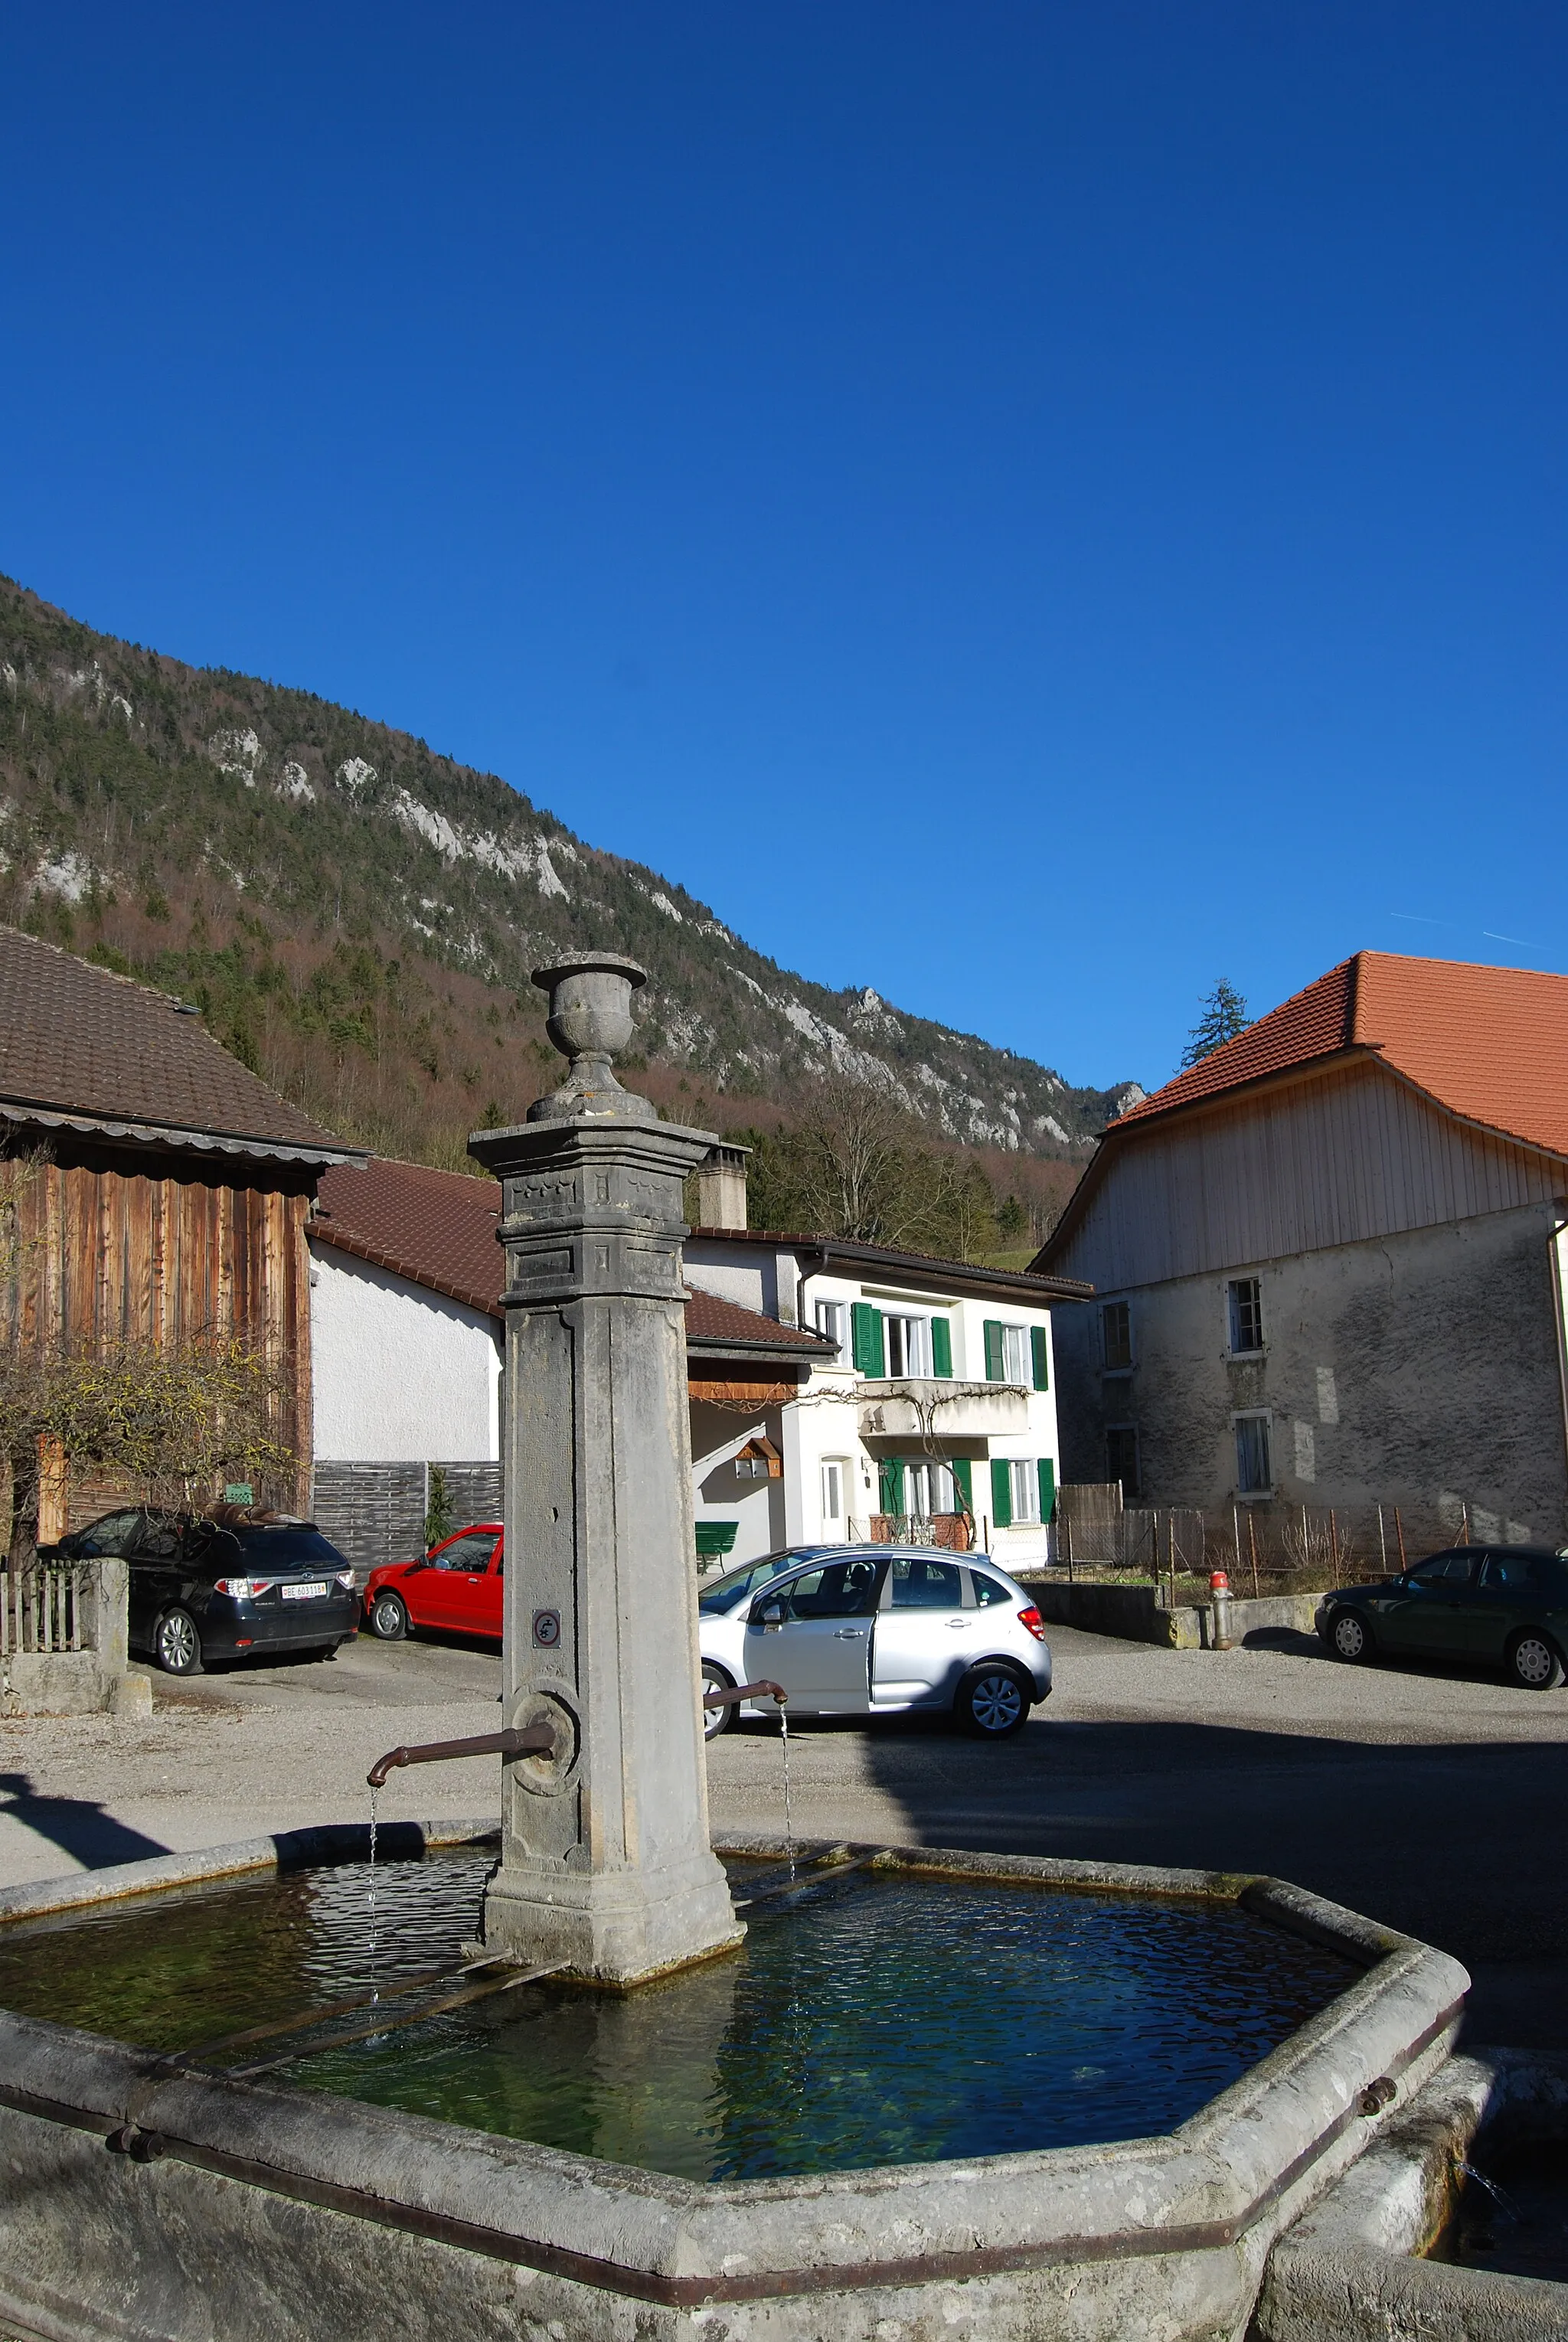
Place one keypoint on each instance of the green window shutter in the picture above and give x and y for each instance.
(1047, 1471)
(942, 1349)
(1001, 1491)
(867, 1347)
(890, 1482)
(1039, 1343)
(964, 1482)
(996, 1370)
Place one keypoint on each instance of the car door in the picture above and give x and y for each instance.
(1506, 1594)
(445, 1593)
(923, 1631)
(811, 1633)
(1423, 1612)
(157, 1572)
(491, 1595)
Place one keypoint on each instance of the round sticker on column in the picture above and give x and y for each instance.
(548, 1628)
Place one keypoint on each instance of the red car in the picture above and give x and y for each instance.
(456, 1585)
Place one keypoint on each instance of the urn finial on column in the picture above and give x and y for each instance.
(591, 1022)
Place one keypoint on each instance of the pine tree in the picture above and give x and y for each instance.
(1224, 1014)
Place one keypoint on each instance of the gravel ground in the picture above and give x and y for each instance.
(1433, 1801)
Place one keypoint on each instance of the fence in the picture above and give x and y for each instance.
(43, 1610)
(1264, 1548)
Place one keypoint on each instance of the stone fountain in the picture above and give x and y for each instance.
(169, 2193)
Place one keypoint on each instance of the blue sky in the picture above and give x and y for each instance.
(1029, 506)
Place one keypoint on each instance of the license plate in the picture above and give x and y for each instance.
(303, 1593)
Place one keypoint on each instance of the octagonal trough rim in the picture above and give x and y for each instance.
(1201, 2186)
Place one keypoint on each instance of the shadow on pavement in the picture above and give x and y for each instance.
(75, 1825)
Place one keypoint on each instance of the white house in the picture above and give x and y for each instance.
(837, 1390)
(934, 1414)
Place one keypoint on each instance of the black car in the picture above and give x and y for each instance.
(203, 1590)
(1504, 1605)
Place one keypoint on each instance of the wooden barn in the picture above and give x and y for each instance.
(158, 1190)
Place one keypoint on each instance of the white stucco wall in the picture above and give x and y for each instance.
(400, 1374)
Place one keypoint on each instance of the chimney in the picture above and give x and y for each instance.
(722, 1189)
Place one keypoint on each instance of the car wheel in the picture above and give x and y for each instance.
(177, 1643)
(1533, 1661)
(389, 1617)
(715, 1719)
(1349, 1636)
(992, 1703)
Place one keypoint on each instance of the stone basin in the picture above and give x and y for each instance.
(147, 2201)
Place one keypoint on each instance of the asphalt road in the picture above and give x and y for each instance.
(1431, 1801)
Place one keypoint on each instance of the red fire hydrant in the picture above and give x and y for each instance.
(1220, 1639)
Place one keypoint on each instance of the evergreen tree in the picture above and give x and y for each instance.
(1224, 1014)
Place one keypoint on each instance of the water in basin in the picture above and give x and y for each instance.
(880, 2018)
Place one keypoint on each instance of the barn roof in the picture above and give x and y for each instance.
(81, 1048)
(1488, 1044)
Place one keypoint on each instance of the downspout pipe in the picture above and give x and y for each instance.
(1554, 1267)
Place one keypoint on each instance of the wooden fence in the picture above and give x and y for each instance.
(42, 1609)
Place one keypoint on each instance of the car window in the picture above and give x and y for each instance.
(919, 1584)
(289, 1548)
(726, 1591)
(988, 1590)
(468, 1553)
(1513, 1573)
(112, 1535)
(840, 1589)
(1444, 1569)
(157, 1540)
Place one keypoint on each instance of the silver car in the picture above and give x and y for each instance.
(868, 1630)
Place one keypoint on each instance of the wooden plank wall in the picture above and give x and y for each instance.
(114, 1249)
(1348, 1156)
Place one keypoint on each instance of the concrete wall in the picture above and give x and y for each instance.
(401, 1373)
(1421, 1369)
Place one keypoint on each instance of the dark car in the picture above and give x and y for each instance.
(457, 1586)
(1504, 1605)
(203, 1590)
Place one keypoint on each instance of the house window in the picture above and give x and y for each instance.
(1025, 1476)
(1121, 1456)
(1246, 1316)
(909, 1346)
(927, 1490)
(1009, 1353)
(1116, 1335)
(833, 1472)
(1254, 1476)
(830, 1323)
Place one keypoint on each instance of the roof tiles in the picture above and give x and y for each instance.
(82, 1046)
(1490, 1044)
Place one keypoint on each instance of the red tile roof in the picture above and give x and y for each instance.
(712, 1324)
(437, 1228)
(84, 1047)
(1490, 1044)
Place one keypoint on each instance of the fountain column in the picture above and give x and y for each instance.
(606, 1861)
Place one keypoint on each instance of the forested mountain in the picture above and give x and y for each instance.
(357, 917)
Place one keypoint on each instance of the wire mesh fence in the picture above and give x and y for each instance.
(1264, 1548)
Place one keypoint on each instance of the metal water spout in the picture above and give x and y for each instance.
(539, 1737)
